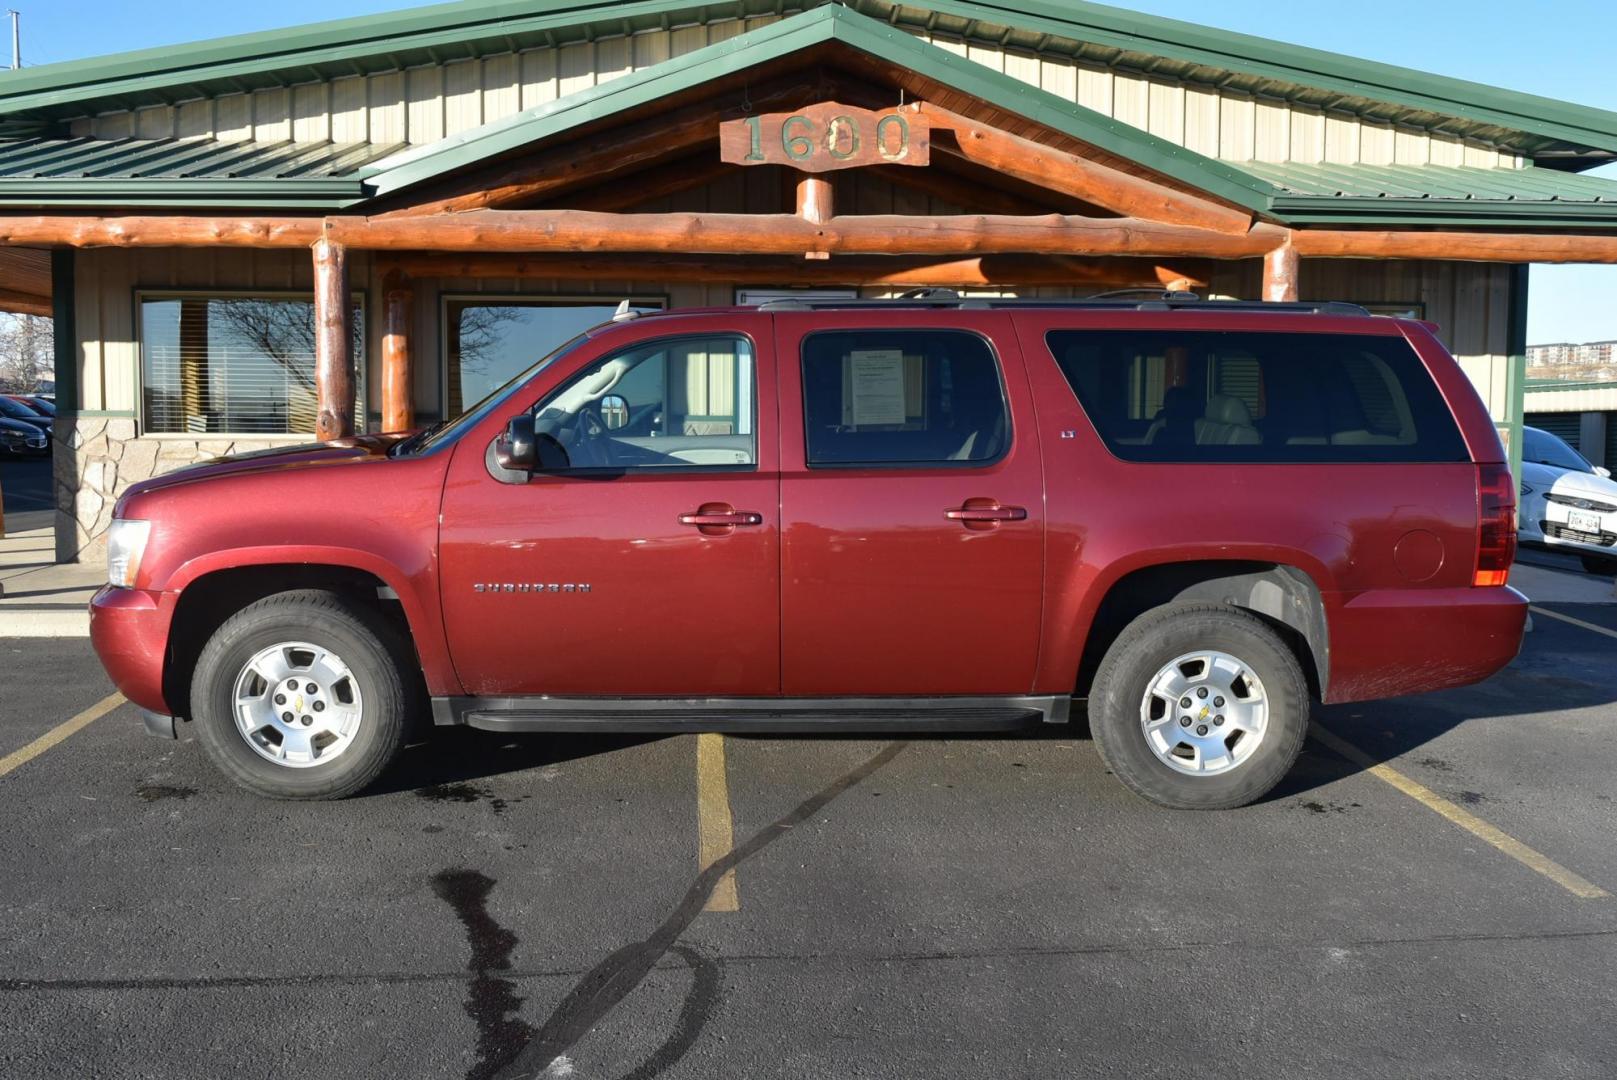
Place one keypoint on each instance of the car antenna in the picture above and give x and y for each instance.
(625, 312)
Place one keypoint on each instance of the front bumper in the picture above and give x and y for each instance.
(129, 631)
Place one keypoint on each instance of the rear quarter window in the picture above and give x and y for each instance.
(1208, 396)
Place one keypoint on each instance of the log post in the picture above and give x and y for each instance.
(333, 342)
(1280, 269)
(815, 205)
(398, 369)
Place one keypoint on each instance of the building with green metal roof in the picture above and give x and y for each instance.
(161, 202)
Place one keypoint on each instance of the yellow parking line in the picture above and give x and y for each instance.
(1548, 614)
(1466, 820)
(714, 828)
(59, 732)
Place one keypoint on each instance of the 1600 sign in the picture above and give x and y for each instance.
(827, 136)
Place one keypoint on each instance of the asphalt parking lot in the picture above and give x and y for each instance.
(992, 906)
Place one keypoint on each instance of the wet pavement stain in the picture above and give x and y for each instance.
(467, 793)
(492, 1002)
(1472, 798)
(1436, 764)
(1318, 807)
(157, 792)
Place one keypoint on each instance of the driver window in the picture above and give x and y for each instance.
(675, 402)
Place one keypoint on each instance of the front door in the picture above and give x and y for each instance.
(912, 507)
(643, 558)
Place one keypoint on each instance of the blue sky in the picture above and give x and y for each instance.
(1558, 48)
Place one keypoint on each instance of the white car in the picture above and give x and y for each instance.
(1567, 504)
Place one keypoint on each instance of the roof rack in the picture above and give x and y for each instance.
(1149, 300)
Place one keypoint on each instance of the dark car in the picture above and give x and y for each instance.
(17, 437)
(13, 409)
(935, 514)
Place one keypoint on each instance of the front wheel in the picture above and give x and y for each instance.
(1199, 707)
(302, 696)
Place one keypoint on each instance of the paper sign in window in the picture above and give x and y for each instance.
(876, 387)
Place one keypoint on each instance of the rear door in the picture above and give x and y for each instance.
(912, 507)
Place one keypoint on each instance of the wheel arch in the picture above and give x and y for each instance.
(1283, 595)
(210, 594)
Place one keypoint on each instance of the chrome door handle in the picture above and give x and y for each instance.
(727, 517)
(992, 514)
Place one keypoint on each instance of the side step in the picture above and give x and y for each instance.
(750, 715)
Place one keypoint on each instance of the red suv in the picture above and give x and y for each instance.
(929, 514)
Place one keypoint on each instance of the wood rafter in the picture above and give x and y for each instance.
(596, 158)
(1079, 177)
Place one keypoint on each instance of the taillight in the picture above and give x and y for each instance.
(1496, 532)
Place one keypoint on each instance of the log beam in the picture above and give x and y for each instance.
(398, 374)
(1079, 177)
(1281, 268)
(736, 234)
(783, 234)
(985, 271)
(333, 342)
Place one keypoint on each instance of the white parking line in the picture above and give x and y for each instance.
(1548, 614)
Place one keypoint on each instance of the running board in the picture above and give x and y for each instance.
(749, 715)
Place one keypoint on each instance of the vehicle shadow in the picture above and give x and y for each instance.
(458, 755)
(1540, 681)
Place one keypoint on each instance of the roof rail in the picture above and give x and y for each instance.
(1153, 300)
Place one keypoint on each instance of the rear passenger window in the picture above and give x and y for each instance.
(1257, 397)
(902, 397)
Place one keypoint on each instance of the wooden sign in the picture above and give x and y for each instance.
(827, 136)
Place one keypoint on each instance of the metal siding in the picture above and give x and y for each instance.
(446, 99)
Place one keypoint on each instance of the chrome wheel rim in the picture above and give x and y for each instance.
(297, 705)
(1204, 713)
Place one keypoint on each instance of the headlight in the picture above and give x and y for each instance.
(126, 543)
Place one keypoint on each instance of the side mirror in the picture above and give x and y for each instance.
(516, 449)
(614, 412)
(1602, 471)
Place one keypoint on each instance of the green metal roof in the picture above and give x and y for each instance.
(819, 26)
(1091, 32)
(1436, 194)
(188, 172)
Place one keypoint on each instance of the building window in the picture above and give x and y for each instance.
(239, 365)
(490, 340)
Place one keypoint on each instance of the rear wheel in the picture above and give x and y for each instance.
(1199, 707)
(302, 696)
(1600, 564)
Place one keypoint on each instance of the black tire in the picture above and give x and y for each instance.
(1599, 564)
(1145, 647)
(373, 652)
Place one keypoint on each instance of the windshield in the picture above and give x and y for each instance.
(447, 431)
(1542, 448)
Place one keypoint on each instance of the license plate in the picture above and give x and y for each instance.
(1583, 522)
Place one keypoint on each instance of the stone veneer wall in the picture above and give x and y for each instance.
(97, 458)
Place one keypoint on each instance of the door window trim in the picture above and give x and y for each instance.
(907, 466)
